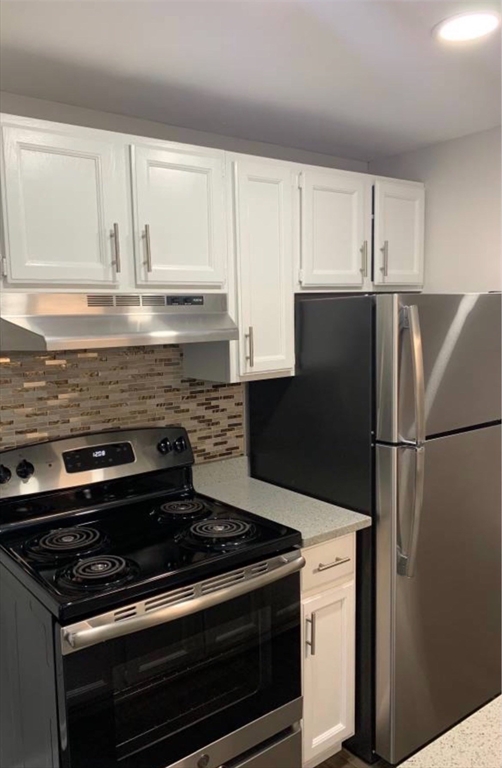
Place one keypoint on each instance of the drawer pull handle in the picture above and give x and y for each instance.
(311, 642)
(337, 561)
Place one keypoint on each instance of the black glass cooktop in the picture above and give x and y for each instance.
(122, 548)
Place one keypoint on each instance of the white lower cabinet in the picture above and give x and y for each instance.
(328, 617)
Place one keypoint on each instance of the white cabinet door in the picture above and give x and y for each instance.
(399, 233)
(335, 229)
(62, 198)
(180, 227)
(264, 231)
(328, 670)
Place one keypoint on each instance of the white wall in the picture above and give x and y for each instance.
(64, 113)
(462, 211)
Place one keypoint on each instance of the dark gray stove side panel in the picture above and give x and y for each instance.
(28, 713)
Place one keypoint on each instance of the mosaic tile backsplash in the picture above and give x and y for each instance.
(58, 394)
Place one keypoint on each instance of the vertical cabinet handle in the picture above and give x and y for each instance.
(311, 642)
(116, 247)
(148, 248)
(250, 356)
(385, 252)
(363, 250)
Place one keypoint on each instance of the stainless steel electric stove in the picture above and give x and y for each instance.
(142, 623)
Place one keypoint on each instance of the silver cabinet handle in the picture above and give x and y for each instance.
(363, 250)
(250, 336)
(336, 561)
(148, 248)
(116, 246)
(385, 251)
(411, 321)
(406, 562)
(106, 627)
(311, 642)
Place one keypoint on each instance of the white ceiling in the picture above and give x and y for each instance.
(355, 78)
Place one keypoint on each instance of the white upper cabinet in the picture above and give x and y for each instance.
(263, 193)
(335, 229)
(180, 224)
(399, 233)
(64, 206)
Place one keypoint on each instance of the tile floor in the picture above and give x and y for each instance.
(475, 743)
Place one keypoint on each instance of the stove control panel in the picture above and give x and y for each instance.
(98, 457)
(94, 458)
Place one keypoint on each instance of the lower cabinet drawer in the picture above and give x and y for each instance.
(328, 562)
(286, 752)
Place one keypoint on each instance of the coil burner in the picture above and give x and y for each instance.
(64, 543)
(97, 573)
(218, 534)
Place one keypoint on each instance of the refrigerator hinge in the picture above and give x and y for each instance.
(4, 267)
(300, 276)
(300, 181)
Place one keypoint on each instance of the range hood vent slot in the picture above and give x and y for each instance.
(153, 300)
(100, 300)
(128, 300)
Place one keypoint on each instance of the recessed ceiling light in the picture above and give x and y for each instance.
(467, 26)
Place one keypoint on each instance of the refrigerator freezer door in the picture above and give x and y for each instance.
(438, 632)
(461, 353)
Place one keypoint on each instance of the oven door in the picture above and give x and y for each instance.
(150, 684)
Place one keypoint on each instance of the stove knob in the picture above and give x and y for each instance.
(24, 469)
(5, 474)
(180, 445)
(164, 446)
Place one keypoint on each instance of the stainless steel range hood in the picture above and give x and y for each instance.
(33, 322)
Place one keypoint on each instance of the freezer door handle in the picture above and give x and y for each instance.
(406, 560)
(411, 321)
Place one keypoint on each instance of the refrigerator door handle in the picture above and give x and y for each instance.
(411, 321)
(406, 561)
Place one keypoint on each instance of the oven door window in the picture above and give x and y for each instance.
(152, 697)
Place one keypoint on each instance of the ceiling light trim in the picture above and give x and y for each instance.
(467, 27)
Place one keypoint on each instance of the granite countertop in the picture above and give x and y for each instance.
(476, 742)
(228, 481)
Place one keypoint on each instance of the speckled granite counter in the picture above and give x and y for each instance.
(229, 481)
(475, 743)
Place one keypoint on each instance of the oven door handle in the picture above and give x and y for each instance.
(195, 598)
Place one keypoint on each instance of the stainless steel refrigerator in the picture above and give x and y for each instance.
(395, 412)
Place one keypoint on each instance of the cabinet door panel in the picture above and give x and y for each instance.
(399, 234)
(264, 223)
(62, 198)
(328, 673)
(335, 225)
(180, 197)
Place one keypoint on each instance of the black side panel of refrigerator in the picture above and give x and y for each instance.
(313, 433)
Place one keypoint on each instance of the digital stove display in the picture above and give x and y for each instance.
(98, 457)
